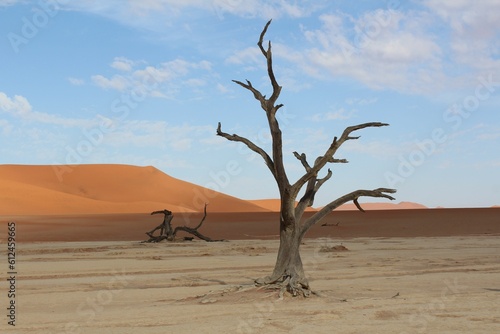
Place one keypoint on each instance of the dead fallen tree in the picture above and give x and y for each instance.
(168, 233)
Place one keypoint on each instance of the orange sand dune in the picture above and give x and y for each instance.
(383, 206)
(97, 189)
(274, 205)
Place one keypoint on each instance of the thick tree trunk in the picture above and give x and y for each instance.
(288, 273)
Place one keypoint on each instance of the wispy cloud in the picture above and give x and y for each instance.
(116, 82)
(475, 31)
(19, 107)
(488, 132)
(162, 80)
(122, 64)
(16, 105)
(165, 16)
(339, 114)
(76, 81)
(266, 9)
(6, 127)
(135, 133)
(361, 101)
(5, 3)
(245, 56)
(389, 49)
(489, 136)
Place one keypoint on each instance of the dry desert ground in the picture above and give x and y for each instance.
(378, 285)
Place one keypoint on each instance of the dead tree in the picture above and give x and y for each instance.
(165, 227)
(169, 234)
(288, 274)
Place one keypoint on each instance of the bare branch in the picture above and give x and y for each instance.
(302, 158)
(268, 54)
(352, 196)
(358, 205)
(321, 161)
(320, 182)
(204, 216)
(338, 161)
(261, 38)
(307, 200)
(258, 95)
(267, 159)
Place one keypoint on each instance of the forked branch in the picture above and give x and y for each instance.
(268, 54)
(328, 157)
(352, 196)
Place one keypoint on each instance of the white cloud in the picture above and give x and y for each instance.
(76, 81)
(122, 64)
(245, 56)
(488, 132)
(489, 136)
(18, 105)
(339, 114)
(165, 16)
(374, 148)
(222, 89)
(155, 81)
(117, 82)
(361, 101)
(477, 18)
(383, 53)
(6, 127)
(475, 31)
(407, 51)
(266, 9)
(135, 133)
(195, 82)
(5, 3)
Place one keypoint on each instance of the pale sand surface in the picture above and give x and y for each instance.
(445, 285)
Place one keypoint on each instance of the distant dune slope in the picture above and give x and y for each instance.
(271, 204)
(28, 189)
(274, 205)
(383, 206)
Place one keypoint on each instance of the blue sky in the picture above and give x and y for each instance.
(146, 82)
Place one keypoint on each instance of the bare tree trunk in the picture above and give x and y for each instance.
(288, 274)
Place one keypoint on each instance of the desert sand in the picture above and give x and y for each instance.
(105, 188)
(379, 285)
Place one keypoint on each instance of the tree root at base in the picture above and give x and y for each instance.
(286, 284)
